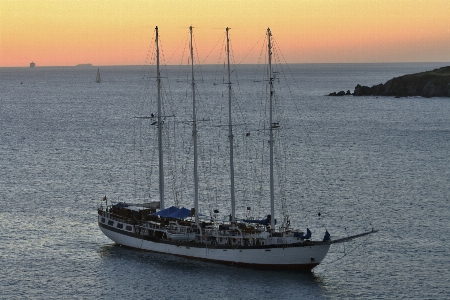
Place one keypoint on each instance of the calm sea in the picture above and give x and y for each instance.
(66, 141)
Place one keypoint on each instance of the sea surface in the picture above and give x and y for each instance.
(359, 162)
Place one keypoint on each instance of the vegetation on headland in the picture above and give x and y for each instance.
(435, 83)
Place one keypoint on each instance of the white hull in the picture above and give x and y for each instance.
(283, 256)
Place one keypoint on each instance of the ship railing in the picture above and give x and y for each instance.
(174, 226)
(152, 225)
(114, 217)
(235, 235)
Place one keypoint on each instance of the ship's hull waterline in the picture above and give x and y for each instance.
(300, 256)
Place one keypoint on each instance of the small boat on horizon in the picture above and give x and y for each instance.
(84, 65)
(98, 79)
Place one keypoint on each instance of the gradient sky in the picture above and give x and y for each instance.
(119, 32)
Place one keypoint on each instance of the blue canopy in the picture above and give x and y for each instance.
(173, 212)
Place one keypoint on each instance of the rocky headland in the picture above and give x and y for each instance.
(428, 84)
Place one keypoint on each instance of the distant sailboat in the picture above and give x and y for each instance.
(98, 79)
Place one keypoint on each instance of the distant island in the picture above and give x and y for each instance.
(84, 65)
(427, 84)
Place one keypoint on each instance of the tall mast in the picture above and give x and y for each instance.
(271, 141)
(194, 132)
(230, 135)
(160, 148)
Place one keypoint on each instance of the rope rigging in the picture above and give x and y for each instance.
(247, 153)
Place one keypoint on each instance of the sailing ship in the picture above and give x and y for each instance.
(98, 79)
(179, 231)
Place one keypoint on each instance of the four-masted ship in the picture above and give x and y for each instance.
(181, 232)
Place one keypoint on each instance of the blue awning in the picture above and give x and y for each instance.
(173, 212)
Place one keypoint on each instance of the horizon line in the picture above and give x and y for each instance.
(209, 64)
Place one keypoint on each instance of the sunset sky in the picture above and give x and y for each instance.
(119, 32)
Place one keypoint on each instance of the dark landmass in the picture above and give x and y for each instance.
(428, 84)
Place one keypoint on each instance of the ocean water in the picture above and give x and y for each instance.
(66, 141)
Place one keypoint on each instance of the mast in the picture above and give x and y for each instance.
(160, 148)
(271, 141)
(194, 132)
(230, 135)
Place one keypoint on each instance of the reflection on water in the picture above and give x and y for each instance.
(164, 272)
(67, 141)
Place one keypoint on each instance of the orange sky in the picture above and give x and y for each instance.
(119, 32)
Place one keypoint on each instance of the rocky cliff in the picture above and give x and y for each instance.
(428, 84)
